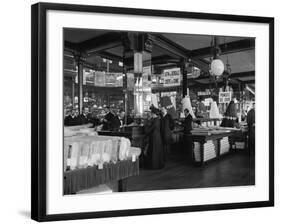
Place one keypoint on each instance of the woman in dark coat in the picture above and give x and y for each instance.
(167, 126)
(230, 116)
(155, 152)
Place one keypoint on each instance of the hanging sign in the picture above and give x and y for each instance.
(224, 97)
(114, 79)
(99, 78)
(171, 77)
(88, 77)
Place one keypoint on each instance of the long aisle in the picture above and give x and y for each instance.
(237, 169)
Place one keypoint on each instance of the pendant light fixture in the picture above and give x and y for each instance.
(217, 65)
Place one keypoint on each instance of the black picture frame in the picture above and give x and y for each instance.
(38, 108)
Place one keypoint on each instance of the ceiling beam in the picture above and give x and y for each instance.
(169, 45)
(179, 51)
(71, 47)
(101, 43)
(164, 59)
(226, 48)
(234, 75)
(109, 56)
(234, 80)
(242, 74)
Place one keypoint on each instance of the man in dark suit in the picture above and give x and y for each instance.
(187, 127)
(108, 120)
(84, 117)
(116, 122)
(125, 119)
(72, 119)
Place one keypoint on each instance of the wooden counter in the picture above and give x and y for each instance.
(81, 179)
(212, 140)
(202, 139)
(134, 133)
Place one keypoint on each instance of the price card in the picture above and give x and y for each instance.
(73, 163)
(100, 166)
(134, 158)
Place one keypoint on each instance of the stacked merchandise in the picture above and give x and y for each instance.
(83, 151)
(224, 145)
(209, 151)
(81, 130)
(214, 111)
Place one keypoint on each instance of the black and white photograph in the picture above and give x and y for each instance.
(141, 112)
(146, 111)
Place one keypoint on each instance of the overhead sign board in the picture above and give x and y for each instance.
(171, 77)
(224, 97)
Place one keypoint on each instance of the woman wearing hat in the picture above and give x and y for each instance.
(230, 115)
(155, 152)
(167, 126)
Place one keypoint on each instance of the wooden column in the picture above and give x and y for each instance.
(80, 60)
(127, 53)
(142, 47)
(184, 77)
(73, 91)
(125, 90)
(127, 63)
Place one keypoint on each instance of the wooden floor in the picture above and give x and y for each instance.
(235, 169)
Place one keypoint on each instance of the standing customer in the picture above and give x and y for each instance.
(155, 152)
(230, 116)
(167, 126)
(251, 129)
(187, 139)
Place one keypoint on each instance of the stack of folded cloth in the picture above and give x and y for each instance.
(209, 151)
(97, 150)
(214, 111)
(124, 148)
(224, 145)
(100, 152)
